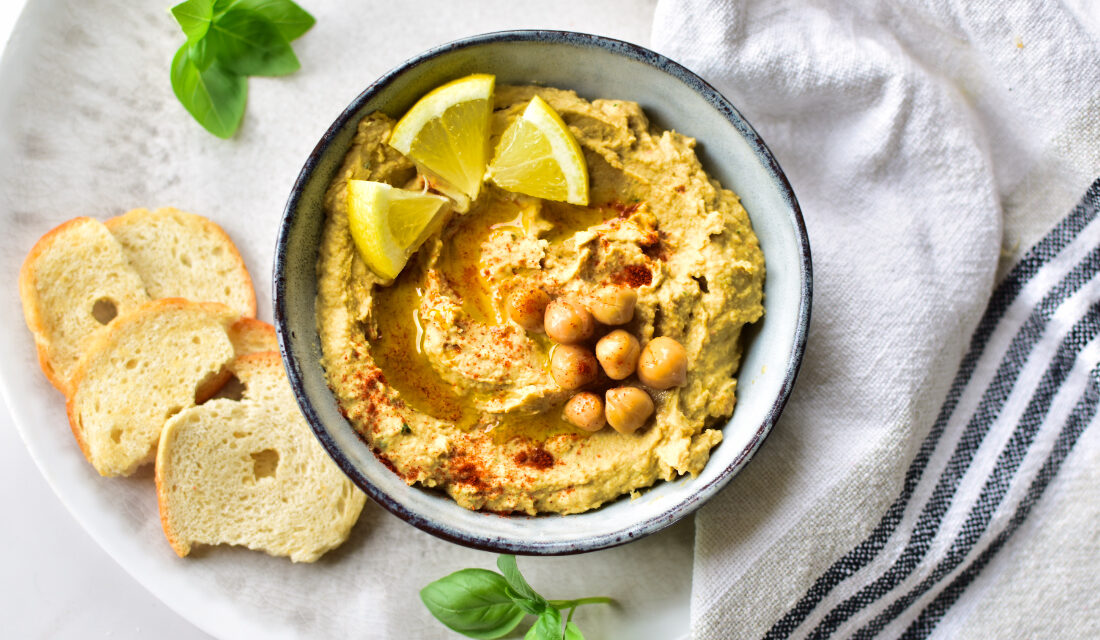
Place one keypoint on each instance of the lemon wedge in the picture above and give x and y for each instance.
(446, 134)
(388, 224)
(538, 156)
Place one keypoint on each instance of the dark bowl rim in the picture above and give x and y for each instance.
(700, 494)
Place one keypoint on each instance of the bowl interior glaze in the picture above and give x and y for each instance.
(730, 150)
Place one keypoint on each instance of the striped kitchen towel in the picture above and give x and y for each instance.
(934, 473)
(1027, 388)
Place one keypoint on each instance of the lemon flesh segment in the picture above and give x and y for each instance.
(446, 133)
(537, 155)
(388, 224)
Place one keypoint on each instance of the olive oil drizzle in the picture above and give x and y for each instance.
(399, 349)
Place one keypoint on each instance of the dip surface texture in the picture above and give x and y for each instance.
(453, 395)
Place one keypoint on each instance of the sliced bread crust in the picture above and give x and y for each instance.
(73, 282)
(250, 472)
(150, 364)
(183, 255)
(250, 335)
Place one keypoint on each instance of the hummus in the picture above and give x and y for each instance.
(452, 395)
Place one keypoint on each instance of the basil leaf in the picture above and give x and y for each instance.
(194, 17)
(291, 20)
(533, 607)
(572, 632)
(247, 43)
(221, 6)
(472, 602)
(507, 565)
(201, 53)
(214, 97)
(547, 627)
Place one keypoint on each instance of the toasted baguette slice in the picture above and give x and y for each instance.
(75, 279)
(149, 365)
(250, 335)
(182, 255)
(251, 473)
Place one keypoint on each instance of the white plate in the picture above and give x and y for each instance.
(89, 126)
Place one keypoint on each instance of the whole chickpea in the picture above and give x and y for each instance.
(585, 410)
(572, 367)
(663, 364)
(568, 322)
(628, 408)
(527, 306)
(613, 305)
(618, 354)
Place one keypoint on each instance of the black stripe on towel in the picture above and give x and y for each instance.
(1078, 421)
(996, 486)
(1003, 296)
(992, 402)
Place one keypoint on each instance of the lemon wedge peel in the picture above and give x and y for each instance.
(446, 133)
(388, 224)
(537, 155)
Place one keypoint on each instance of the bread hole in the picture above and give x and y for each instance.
(217, 251)
(233, 389)
(131, 364)
(340, 504)
(264, 463)
(116, 435)
(104, 310)
(241, 434)
(702, 282)
(172, 411)
(228, 291)
(196, 340)
(210, 384)
(185, 261)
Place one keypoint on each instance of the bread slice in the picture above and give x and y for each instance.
(251, 473)
(163, 357)
(250, 335)
(182, 255)
(75, 279)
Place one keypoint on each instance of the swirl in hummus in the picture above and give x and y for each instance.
(451, 394)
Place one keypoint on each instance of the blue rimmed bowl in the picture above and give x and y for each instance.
(673, 98)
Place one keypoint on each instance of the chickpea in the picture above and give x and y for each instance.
(663, 364)
(527, 307)
(568, 322)
(572, 367)
(585, 410)
(628, 408)
(613, 305)
(618, 353)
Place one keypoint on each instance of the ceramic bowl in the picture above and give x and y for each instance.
(673, 98)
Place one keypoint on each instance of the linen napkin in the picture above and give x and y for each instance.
(935, 473)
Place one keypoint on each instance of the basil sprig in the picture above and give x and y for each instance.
(227, 41)
(484, 604)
